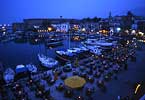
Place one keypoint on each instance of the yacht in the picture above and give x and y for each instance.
(101, 44)
(72, 53)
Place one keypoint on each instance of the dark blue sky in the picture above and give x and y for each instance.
(16, 10)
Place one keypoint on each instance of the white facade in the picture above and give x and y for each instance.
(63, 27)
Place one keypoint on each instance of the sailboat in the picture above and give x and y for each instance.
(47, 61)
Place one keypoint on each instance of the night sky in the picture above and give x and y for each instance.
(17, 10)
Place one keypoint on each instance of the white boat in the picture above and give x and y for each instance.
(90, 42)
(31, 68)
(95, 50)
(101, 44)
(98, 42)
(9, 75)
(20, 69)
(69, 54)
(47, 62)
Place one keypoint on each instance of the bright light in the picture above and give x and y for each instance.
(100, 31)
(137, 88)
(49, 29)
(127, 42)
(118, 29)
(36, 26)
(141, 33)
(4, 33)
(3, 27)
(83, 29)
(104, 31)
(36, 40)
(126, 31)
(133, 32)
(111, 30)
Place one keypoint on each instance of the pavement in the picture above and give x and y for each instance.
(124, 86)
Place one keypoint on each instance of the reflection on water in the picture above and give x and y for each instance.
(12, 53)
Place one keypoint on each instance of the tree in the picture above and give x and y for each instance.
(96, 19)
(88, 19)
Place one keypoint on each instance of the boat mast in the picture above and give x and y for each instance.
(69, 41)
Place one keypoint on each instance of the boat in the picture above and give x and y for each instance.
(54, 42)
(47, 61)
(9, 75)
(70, 54)
(32, 68)
(101, 44)
(20, 69)
(90, 42)
(95, 50)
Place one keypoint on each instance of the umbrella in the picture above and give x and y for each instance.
(75, 82)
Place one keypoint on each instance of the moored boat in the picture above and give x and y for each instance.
(32, 68)
(95, 50)
(71, 54)
(20, 69)
(54, 42)
(101, 44)
(47, 61)
(9, 75)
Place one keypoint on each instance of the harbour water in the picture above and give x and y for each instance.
(12, 53)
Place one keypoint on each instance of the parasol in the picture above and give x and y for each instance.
(75, 82)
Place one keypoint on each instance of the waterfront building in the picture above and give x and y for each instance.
(61, 27)
(18, 27)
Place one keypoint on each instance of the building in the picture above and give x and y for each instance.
(139, 23)
(61, 27)
(18, 27)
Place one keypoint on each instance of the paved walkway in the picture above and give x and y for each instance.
(126, 80)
